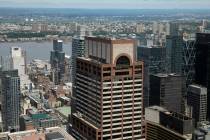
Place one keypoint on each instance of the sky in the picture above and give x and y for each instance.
(113, 4)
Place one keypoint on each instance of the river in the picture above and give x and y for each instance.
(34, 50)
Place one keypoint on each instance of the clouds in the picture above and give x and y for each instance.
(137, 4)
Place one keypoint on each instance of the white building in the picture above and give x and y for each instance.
(18, 61)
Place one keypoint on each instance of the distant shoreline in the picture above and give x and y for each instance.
(35, 41)
(77, 12)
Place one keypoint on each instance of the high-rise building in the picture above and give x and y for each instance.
(188, 65)
(57, 61)
(167, 28)
(155, 27)
(81, 30)
(10, 91)
(162, 124)
(204, 23)
(44, 27)
(108, 91)
(167, 90)
(35, 27)
(67, 75)
(154, 62)
(161, 28)
(5, 62)
(174, 49)
(202, 64)
(174, 29)
(78, 50)
(140, 28)
(197, 101)
(18, 61)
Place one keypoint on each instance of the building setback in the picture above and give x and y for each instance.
(154, 62)
(108, 91)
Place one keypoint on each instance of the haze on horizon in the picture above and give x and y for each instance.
(112, 4)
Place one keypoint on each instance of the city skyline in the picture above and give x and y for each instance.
(104, 70)
(108, 4)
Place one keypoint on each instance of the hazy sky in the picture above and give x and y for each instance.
(137, 4)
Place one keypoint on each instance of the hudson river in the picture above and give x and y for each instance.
(34, 50)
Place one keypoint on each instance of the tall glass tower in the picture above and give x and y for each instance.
(202, 64)
(10, 91)
(174, 48)
(57, 61)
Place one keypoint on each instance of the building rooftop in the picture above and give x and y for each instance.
(66, 110)
(198, 89)
(43, 134)
(197, 86)
(79, 37)
(54, 136)
(158, 108)
(90, 60)
(163, 75)
(110, 40)
(60, 40)
(65, 98)
(170, 113)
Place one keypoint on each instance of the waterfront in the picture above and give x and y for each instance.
(34, 50)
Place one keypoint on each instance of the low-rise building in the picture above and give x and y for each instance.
(38, 120)
(53, 133)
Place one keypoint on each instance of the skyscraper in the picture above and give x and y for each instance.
(188, 65)
(174, 29)
(202, 64)
(78, 50)
(197, 100)
(154, 62)
(18, 61)
(10, 91)
(44, 27)
(108, 91)
(174, 48)
(167, 90)
(57, 61)
(5, 62)
(155, 27)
